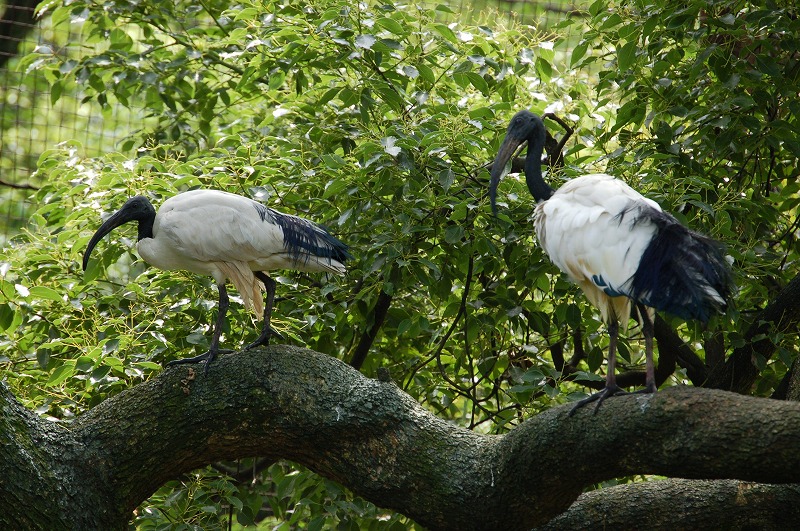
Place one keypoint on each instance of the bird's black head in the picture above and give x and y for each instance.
(136, 208)
(524, 127)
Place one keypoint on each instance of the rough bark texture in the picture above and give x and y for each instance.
(286, 402)
(45, 474)
(677, 504)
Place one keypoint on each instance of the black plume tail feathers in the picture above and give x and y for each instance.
(681, 272)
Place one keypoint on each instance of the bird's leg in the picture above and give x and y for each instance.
(267, 332)
(213, 349)
(648, 331)
(611, 387)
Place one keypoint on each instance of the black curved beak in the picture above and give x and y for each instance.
(124, 215)
(510, 144)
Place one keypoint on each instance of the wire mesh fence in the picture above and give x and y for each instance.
(34, 119)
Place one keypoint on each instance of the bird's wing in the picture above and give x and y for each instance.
(214, 226)
(589, 228)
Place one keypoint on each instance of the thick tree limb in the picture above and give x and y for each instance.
(684, 504)
(286, 402)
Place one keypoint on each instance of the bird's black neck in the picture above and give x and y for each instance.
(540, 190)
(145, 229)
(146, 223)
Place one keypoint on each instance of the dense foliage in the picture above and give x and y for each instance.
(378, 120)
(708, 99)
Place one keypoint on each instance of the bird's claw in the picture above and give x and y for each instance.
(600, 396)
(206, 357)
(264, 338)
(649, 388)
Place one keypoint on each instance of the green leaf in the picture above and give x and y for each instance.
(43, 292)
(149, 365)
(392, 26)
(6, 316)
(612, 21)
(597, 7)
(478, 82)
(626, 55)
(595, 358)
(334, 187)
(404, 326)
(453, 234)
(426, 73)
(247, 13)
(59, 15)
(120, 40)
(365, 41)
(544, 69)
(60, 374)
(445, 32)
(56, 89)
(630, 114)
(577, 53)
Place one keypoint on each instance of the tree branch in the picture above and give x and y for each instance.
(17, 186)
(739, 372)
(378, 317)
(671, 350)
(669, 341)
(368, 435)
(724, 504)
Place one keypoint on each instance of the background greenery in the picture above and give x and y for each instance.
(379, 120)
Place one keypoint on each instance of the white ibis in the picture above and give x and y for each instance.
(227, 236)
(619, 247)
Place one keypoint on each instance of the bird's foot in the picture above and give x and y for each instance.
(649, 388)
(207, 357)
(264, 338)
(599, 397)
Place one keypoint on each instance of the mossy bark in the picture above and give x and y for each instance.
(676, 504)
(292, 403)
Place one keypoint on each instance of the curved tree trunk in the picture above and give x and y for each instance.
(287, 402)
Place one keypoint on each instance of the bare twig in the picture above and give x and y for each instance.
(16, 186)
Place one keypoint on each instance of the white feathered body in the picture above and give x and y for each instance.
(229, 236)
(621, 249)
(588, 230)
